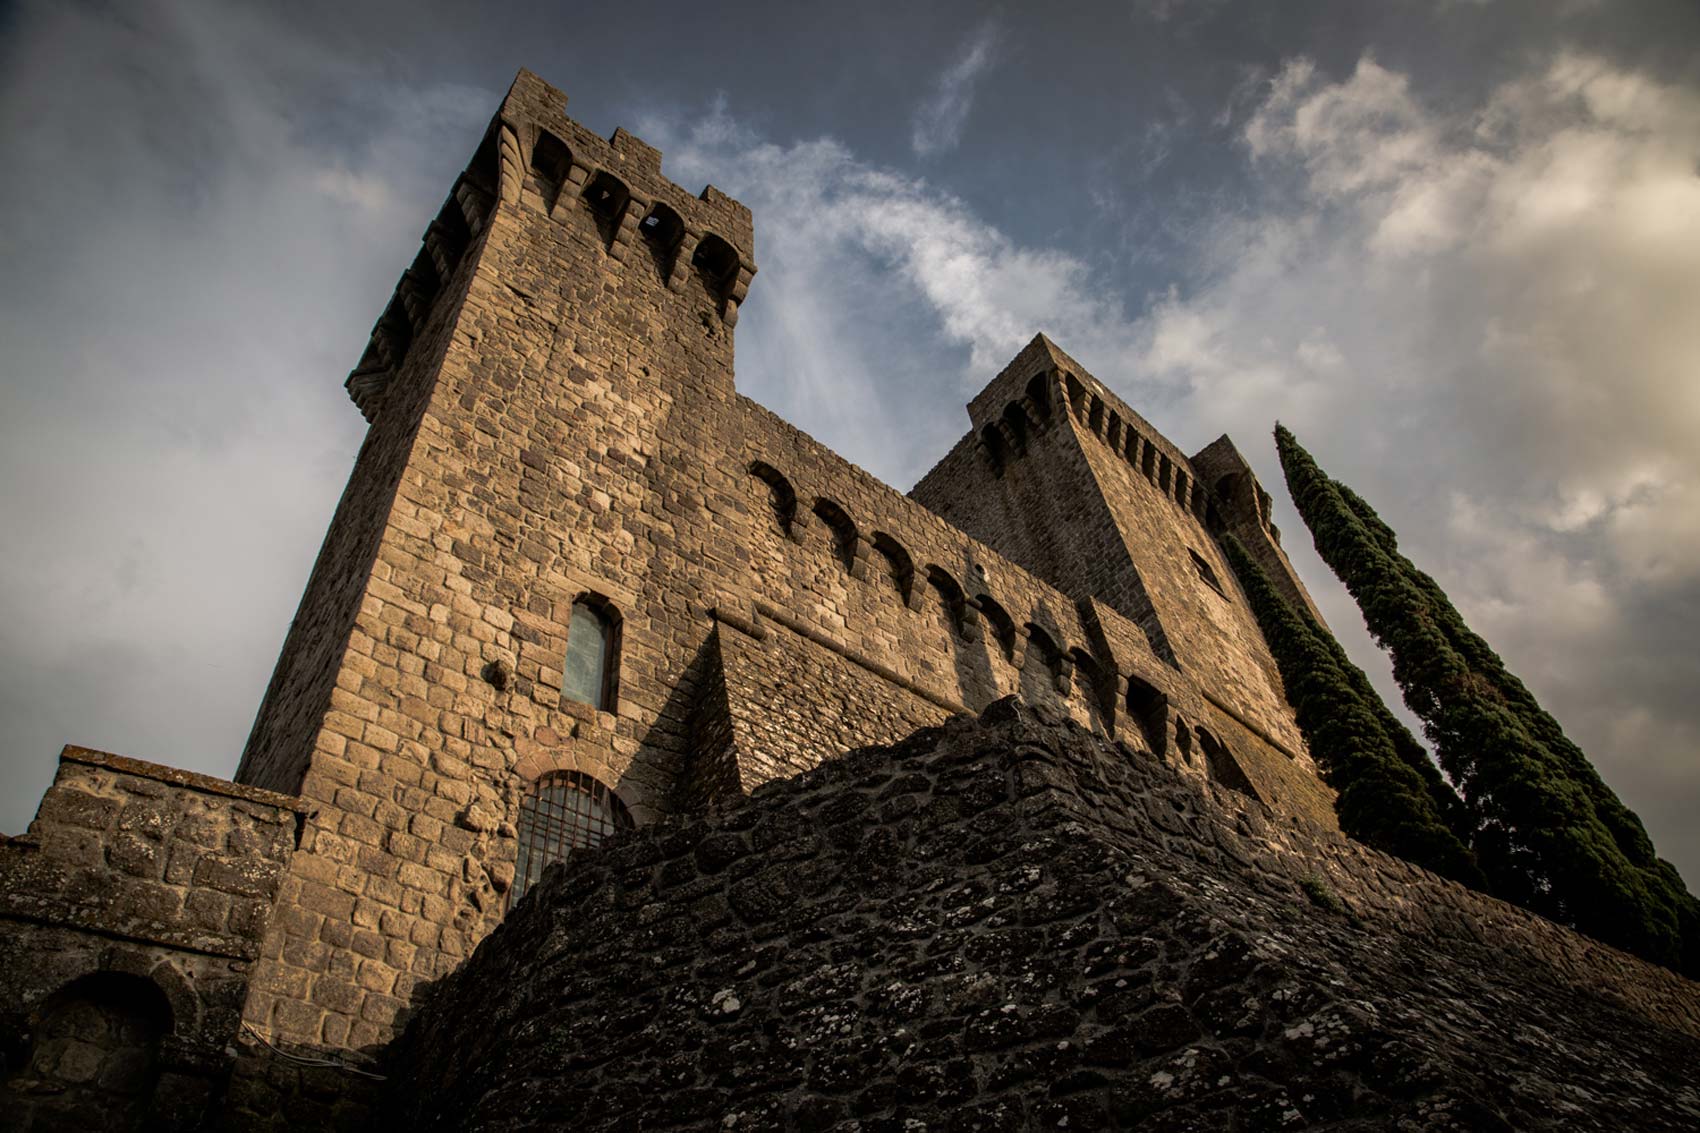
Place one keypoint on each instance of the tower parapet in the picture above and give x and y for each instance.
(534, 157)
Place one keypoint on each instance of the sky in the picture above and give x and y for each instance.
(1453, 244)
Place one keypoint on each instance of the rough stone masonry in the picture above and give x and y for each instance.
(576, 586)
(1009, 923)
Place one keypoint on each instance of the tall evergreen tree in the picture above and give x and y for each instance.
(1387, 794)
(1548, 832)
(1626, 828)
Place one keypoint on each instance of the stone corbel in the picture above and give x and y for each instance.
(859, 559)
(1037, 413)
(1013, 444)
(443, 255)
(474, 204)
(626, 234)
(682, 260)
(739, 289)
(1064, 678)
(415, 299)
(1018, 648)
(577, 175)
(511, 175)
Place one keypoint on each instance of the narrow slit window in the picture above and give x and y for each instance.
(1206, 572)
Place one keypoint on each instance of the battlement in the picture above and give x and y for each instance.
(1041, 385)
(534, 157)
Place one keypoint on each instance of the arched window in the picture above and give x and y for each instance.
(590, 671)
(1202, 567)
(564, 811)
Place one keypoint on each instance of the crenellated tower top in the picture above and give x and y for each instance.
(534, 156)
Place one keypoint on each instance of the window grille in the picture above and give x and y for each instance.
(565, 811)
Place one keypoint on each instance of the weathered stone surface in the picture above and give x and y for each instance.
(1004, 955)
(129, 917)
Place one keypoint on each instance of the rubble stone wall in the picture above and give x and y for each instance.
(1009, 923)
(132, 912)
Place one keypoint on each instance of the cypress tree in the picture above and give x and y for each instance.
(1383, 796)
(1624, 825)
(1548, 832)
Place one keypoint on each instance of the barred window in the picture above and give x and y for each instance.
(565, 811)
(588, 675)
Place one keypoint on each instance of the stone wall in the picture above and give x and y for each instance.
(1009, 923)
(131, 914)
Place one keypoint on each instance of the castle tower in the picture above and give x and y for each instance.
(1064, 478)
(480, 634)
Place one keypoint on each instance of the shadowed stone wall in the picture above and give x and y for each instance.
(131, 913)
(1008, 923)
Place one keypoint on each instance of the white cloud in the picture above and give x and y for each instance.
(1506, 294)
(939, 119)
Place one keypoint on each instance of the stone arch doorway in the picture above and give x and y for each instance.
(93, 1057)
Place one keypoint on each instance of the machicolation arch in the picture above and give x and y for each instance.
(663, 232)
(846, 540)
(551, 164)
(607, 196)
(716, 264)
(782, 498)
(900, 567)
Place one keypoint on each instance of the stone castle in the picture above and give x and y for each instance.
(577, 585)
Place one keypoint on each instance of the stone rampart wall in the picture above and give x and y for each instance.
(1012, 924)
(138, 899)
